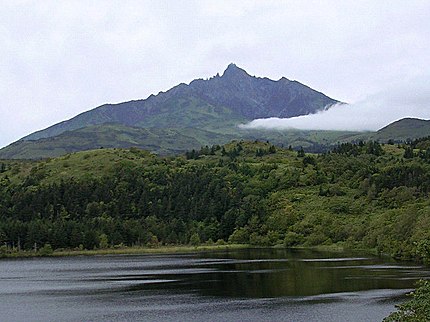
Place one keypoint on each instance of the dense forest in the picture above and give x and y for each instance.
(363, 195)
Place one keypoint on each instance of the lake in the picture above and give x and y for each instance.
(239, 285)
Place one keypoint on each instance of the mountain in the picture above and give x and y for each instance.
(404, 129)
(216, 104)
(186, 116)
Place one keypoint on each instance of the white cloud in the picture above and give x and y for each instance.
(406, 99)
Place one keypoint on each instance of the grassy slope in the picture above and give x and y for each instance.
(102, 162)
(219, 130)
(404, 129)
(162, 141)
(193, 112)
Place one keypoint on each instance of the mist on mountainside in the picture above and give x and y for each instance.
(406, 99)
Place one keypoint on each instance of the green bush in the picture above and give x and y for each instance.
(103, 241)
(46, 250)
(3, 250)
(220, 242)
(239, 236)
(292, 239)
(415, 310)
(195, 239)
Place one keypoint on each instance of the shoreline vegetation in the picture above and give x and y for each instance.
(120, 250)
(47, 250)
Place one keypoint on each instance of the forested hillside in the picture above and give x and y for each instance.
(358, 195)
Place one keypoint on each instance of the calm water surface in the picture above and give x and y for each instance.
(245, 285)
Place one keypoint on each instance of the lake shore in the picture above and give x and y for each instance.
(125, 251)
(173, 249)
(252, 284)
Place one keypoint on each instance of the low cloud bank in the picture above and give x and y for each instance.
(407, 99)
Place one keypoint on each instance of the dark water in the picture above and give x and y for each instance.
(245, 285)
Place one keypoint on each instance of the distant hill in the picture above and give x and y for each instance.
(407, 128)
(212, 108)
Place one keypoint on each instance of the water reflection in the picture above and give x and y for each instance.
(205, 286)
(257, 273)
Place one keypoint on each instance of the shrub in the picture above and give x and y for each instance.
(46, 250)
(415, 310)
(292, 239)
(195, 239)
(239, 236)
(220, 242)
(103, 241)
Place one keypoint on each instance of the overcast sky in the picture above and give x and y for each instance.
(60, 58)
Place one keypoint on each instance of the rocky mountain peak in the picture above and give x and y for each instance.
(233, 71)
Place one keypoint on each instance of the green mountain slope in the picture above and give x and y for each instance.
(161, 141)
(399, 131)
(172, 113)
(407, 128)
(166, 141)
(172, 140)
